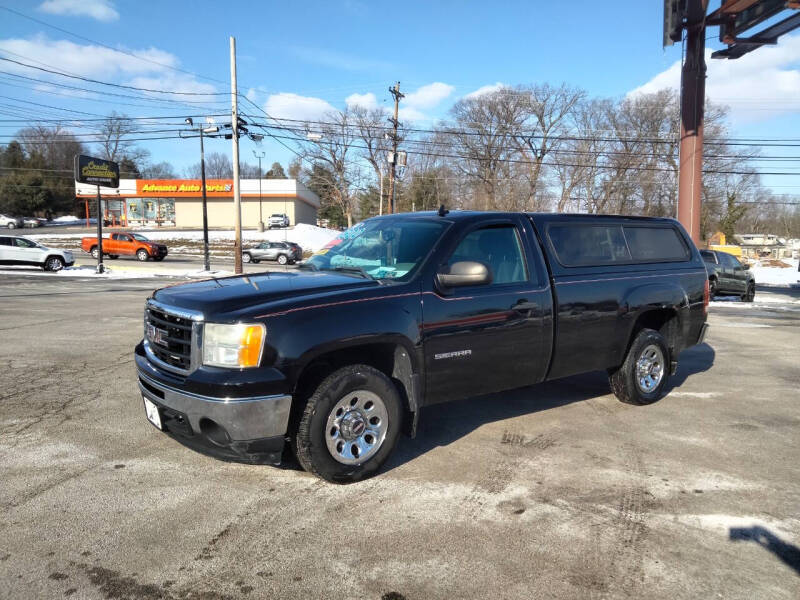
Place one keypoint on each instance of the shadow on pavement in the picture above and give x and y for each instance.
(788, 553)
(442, 424)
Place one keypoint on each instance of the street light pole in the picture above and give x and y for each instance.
(206, 261)
(201, 130)
(260, 175)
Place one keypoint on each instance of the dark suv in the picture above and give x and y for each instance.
(727, 276)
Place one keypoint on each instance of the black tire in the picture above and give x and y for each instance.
(309, 440)
(246, 258)
(256, 261)
(94, 252)
(158, 258)
(282, 260)
(142, 254)
(113, 256)
(750, 294)
(53, 263)
(12, 225)
(623, 380)
(712, 288)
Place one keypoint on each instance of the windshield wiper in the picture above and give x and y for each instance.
(353, 269)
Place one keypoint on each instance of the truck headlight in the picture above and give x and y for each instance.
(237, 346)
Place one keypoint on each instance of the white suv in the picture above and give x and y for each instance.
(10, 222)
(278, 221)
(22, 251)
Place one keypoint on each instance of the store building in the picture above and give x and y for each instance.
(179, 203)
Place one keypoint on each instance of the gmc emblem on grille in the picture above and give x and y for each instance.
(156, 335)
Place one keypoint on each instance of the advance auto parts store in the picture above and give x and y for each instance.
(179, 203)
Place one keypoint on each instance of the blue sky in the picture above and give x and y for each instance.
(297, 58)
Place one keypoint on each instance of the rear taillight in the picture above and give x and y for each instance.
(705, 298)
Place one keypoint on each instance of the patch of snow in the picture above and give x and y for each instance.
(309, 237)
(776, 275)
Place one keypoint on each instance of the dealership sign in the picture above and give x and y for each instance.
(96, 171)
(183, 188)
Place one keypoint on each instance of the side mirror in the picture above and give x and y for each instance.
(463, 273)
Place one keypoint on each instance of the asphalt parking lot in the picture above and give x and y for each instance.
(554, 491)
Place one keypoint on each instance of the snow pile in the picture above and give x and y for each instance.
(309, 237)
(776, 275)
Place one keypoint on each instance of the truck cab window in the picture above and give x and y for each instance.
(497, 247)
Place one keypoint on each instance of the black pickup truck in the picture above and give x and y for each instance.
(403, 311)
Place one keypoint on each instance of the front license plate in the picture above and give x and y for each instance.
(151, 410)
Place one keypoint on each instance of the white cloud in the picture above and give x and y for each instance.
(102, 10)
(757, 86)
(97, 62)
(486, 89)
(427, 96)
(251, 94)
(292, 106)
(368, 101)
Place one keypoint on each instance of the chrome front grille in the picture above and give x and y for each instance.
(170, 336)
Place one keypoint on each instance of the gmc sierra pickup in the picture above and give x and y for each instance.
(403, 311)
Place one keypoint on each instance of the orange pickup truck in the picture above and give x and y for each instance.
(132, 244)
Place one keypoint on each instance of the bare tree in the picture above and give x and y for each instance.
(218, 166)
(161, 170)
(335, 150)
(114, 145)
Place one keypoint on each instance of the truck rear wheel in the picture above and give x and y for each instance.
(94, 252)
(643, 376)
(349, 425)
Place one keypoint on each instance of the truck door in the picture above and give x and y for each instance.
(486, 338)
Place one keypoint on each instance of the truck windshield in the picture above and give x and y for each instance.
(140, 237)
(381, 248)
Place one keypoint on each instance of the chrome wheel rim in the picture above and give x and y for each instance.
(650, 368)
(246, 258)
(54, 264)
(356, 427)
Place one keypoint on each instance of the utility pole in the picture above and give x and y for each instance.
(395, 91)
(693, 88)
(237, 196)
(260, 175)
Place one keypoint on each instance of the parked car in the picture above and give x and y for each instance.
(31, 222)
(125, 244)
(10, 222)
(279, 221)
(728, 276)
(283, 252)
(16, 250)
(414, 309)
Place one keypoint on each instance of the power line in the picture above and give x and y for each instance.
(136, 56)
(116, 85)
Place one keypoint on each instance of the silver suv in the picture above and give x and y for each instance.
(283, 252)
(22, 251)
(10, 222)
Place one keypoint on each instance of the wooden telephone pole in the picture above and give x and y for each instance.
(394, 91)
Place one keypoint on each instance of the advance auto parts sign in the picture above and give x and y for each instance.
(96, 171)
(183, 188)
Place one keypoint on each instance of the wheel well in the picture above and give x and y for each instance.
(389, 358)
(662, 320)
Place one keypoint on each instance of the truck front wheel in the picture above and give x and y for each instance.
(142, 255)
(643, 376)
(349, 425)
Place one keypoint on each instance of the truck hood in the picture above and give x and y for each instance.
(229, 295)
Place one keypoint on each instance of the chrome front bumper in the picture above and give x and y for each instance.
(250, 418)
